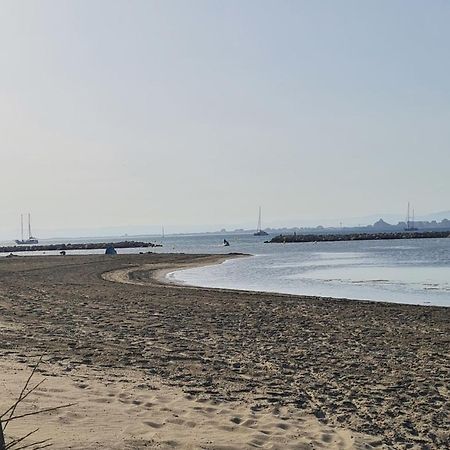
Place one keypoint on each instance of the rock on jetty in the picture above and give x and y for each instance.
(288, 238)
(87, 246)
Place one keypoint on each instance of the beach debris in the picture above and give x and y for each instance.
(110, 250)
(62, 253)
(10, 415)
(2, 438)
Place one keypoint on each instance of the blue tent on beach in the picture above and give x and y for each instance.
(110, 250)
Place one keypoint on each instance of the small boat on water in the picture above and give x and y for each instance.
(31, 239)
(259, 230)
(226, 243)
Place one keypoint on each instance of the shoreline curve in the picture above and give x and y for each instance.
(158, 272)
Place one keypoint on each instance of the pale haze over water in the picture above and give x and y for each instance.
(191, 114)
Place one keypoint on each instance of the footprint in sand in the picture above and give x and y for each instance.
(176, 421)
(327, 438)
(259, 441)
(249, 423)
(153, 424)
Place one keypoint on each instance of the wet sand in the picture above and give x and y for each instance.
(158, 366)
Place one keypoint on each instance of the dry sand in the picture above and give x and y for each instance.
(158, 366)
(125, 409)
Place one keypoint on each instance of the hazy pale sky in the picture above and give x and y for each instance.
(195, 112)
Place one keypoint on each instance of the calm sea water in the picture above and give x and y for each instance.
(415, 271)
(408, 271)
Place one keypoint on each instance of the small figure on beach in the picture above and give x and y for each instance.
(226, 243)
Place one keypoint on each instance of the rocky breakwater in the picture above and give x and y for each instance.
(78, 246)
(288, 238)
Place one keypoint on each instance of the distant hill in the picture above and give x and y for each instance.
(378, 226)
(438, 216)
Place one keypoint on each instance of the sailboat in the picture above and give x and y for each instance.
(259, 230)
(31, 239)
(410, 223)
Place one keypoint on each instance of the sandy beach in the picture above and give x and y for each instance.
(152, 365)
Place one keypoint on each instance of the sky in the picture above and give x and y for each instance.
(191, 114)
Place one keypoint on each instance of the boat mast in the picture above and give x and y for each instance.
(29, 226)
(259, 220)
(21, 225)
(407, 219)
(413, 218)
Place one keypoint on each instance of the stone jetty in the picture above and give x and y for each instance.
(77, 246)
(288, 238)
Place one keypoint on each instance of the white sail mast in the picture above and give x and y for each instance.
(29, 226)
(408, 218)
